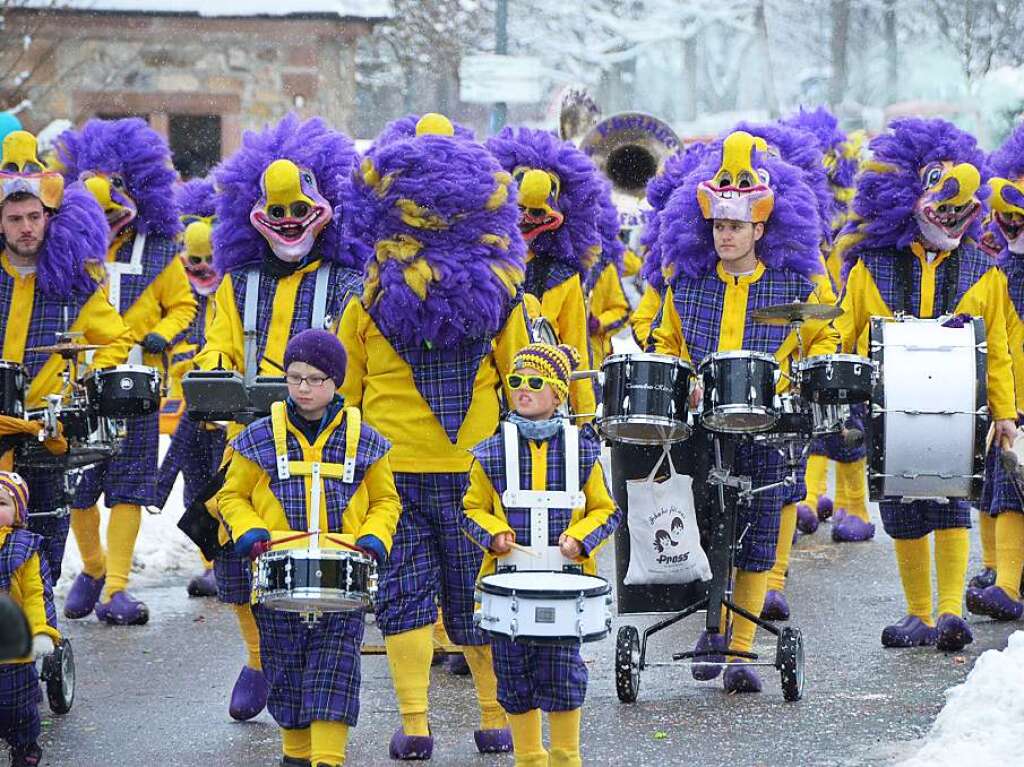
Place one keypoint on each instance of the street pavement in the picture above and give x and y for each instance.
(157, 695)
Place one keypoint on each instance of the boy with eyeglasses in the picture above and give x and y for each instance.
(312, 668)
(535, 678)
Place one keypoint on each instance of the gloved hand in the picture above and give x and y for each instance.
(593, 325)
(374, 547)
(42, 645)
(253, 543)
(154, 343)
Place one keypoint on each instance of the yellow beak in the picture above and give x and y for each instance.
(282, 184)
(100, 189)
(968, 179)
(20, 149)
(197, 239)
(534, 189)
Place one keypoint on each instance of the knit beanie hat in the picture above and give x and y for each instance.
(554, 362)
(319, 349)
(18, 488)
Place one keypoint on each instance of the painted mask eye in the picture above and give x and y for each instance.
(299, 209)
(724, 179)
(764, 175)
(745, 180)
(932, 176)
(117, 182)
(277, 212)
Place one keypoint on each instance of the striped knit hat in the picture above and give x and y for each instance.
(18, 489)
(554, 362)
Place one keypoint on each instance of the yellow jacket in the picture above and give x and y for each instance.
(380, 383)
(184, 352)
(986, 298)
(166, 307)
(565, 308)
(483, 506)
(97, 321)
(644, 315)
(609, 306)
(29, 592)
(246, 501)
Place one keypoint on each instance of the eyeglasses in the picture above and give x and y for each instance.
(314, 382)
(533, 383)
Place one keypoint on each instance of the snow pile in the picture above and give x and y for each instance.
(983, 719)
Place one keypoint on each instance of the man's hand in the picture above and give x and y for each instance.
(154, 343)
(569, 546)
(696, 395)
(1005, 433)
(502, 543)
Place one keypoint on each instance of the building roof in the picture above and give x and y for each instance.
(347, 9)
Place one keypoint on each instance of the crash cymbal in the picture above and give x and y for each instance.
(65, 349)
(786, 314)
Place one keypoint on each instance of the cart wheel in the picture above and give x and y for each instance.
(59, 675)
(627, 664)
(789, 660)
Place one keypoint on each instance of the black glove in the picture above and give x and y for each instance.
(154, 343)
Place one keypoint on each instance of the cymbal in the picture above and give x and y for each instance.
(65, 349)
(786, 314)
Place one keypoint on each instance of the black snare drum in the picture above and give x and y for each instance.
(12, 389)
(124, 391)
(836, 379)
(645, 399)
(794, 418)
(311, 580)
(739, 392)
(214, 395)
(91, 439)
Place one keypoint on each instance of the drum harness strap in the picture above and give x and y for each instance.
(252, 299)
(316, 470)
(540, 501)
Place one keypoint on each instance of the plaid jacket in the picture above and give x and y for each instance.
(49, 317)
(16, 550)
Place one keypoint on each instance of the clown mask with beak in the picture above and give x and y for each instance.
(291, 211)
(197, 254)
(948, 204)
(1007, 204)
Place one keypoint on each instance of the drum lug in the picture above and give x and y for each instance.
(515, 604)
(580, 602)
(579, 630)
(513, 628)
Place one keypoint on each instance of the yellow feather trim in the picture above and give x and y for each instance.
(500, 195)
(419, 217)
(402, 248)
(418, 275)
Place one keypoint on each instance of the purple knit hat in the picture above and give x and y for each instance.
(18, 489)
(319, 349)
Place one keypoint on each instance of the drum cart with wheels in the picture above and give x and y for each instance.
(704, 456)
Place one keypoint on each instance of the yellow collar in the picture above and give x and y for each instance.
(8, 267)
(4, 532)
(739, 279)
(922, 255)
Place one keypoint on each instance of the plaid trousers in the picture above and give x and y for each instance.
(432, 562)
(234, 577)
(548, 677)
(313, 671)
(130, 476)
(998, 494)
(918, 518)
(19, 703)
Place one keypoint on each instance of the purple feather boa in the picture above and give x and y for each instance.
(884, 202)
(582, 189)
(327, 153)
(613, 250)
(831, 138)
(75, 235)
(453, 180)
(136, 151)
(196, 197)
(791, 236)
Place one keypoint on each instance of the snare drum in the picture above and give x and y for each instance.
(214, 395)
(836, 379)
(829, 419)
(739, 392)
(329, 579)
(123, 391)
(545, 607)
(12, 389)
(91, 439)
(645, 398)
(929, 416)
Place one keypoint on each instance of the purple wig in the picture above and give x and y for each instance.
(405, 128)
(436, 218)
(196, 198)
(139, 154)
(1005, 162)
(578, 240)
(75, 235)
(612, 248)
(659, 189)
(889, 187)
(329, 155)
(791, 235)
(831, 138)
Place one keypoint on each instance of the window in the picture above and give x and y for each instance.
(195, 143)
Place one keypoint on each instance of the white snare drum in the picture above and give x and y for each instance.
(313, 580)
(540, 607)
(929, 415)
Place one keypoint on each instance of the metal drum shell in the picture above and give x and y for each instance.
(309, 580)
(646, 398)
(739, 392)
(836, 379)
(123, 391)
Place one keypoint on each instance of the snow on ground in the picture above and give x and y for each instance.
(163, 555)
(983, 719)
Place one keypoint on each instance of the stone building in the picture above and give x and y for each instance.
(200, 71)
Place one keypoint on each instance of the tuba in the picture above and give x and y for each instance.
(629, 148)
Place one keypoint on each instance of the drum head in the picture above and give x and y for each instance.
(650, 431)
(738, 422)
(544, 583)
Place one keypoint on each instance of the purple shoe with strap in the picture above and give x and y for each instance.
(806, 519)
(123, 609)
(909, 632)
(849, 528)
(741, 678)
(496, 741)
(776, 608)
(825, 508)
(83, 596)
(984, 579)
(411, 747)
(976, 604)
(204, 585)
(456, 665)
(1000, 605)
(708, 667)
(952, 633)
(249, 695)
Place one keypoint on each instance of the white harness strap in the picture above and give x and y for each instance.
(116, 268)
(540, 501)
(252, 298)
(323, 274)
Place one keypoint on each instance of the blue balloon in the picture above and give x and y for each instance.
(8, 124)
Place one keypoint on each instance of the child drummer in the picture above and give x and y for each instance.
(23, 574)
(536, 678)
(312, 669)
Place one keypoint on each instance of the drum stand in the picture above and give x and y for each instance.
(631, 645)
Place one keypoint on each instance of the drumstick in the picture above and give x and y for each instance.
(525, 550)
